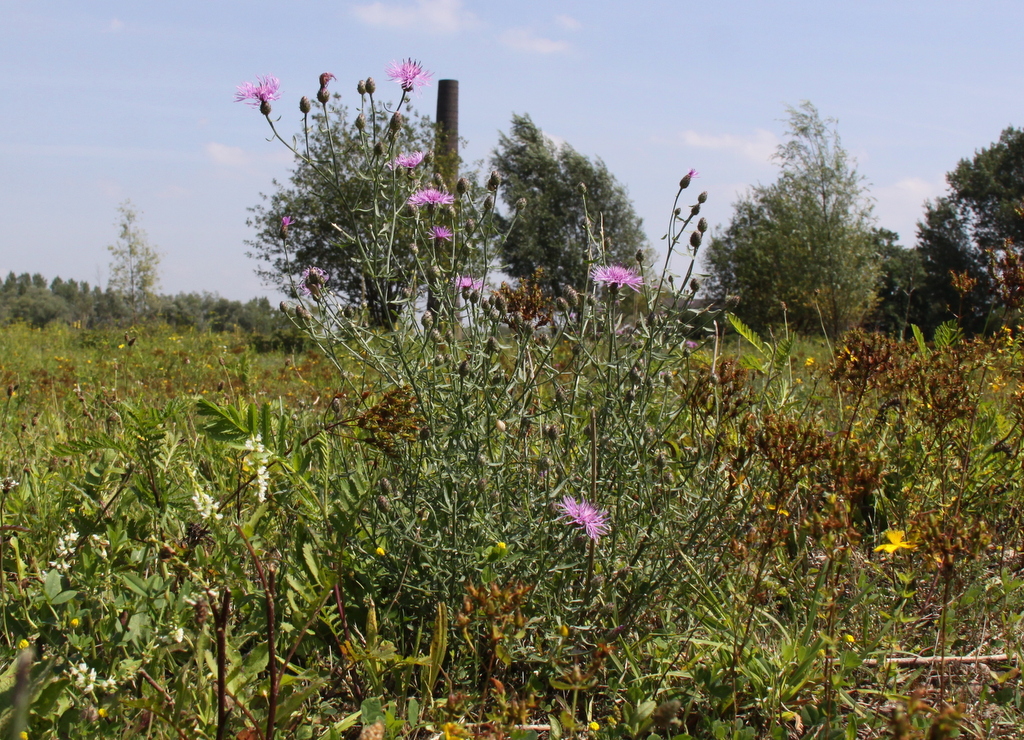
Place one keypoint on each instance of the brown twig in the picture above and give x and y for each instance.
(916, 660)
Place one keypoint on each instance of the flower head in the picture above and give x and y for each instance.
(286, 221)
(585, 515)
(325, 78)
(407, 161)
(468, 282)
(617, 276)
(409, 74)
(313, 281)
(896, 542)
(260, 94)
(692, 174)
(431, 197)
(440, 233)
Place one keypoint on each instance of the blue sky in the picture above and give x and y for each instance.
(105, 101)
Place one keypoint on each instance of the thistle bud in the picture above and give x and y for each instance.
(464, 368)
(492, 346)
(265, 108)
(582, 187)
(521, 204)
(361, 121)
(285, 308)
(685, 182)
(361, 87)
(424, 434)
(695, 238)
(395, 123)
(488, 202)
(302, 313)
(304, 105)
(572, 296)
(493, 181)
(695, 210)
(702, 197)
(702, 225)
(462, 186)
(378, 149)
(639, 256)
(323, 95)
(428, 319)
(371, 86)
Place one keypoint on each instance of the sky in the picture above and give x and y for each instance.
(109, 101)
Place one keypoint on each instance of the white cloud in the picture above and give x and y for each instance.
(568, 22)
(443, 16)
(228, 156)
(900, 205)
(759, 146)
(524, 39)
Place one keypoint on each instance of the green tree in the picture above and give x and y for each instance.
(803, 249)
(900, 285)
(550, 234)
(961, 229)
(134, 270)
(325, 198)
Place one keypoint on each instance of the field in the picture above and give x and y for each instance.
(639, 537)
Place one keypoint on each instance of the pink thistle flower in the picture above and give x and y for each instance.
(313, 281)
(407, 161)
(409, 74)
(286, 221)
(440, 233)
(259, 95)
(586, 516)
(693, 173)
(468, 282)
(616, 276)
(325, 78)
(431, 197)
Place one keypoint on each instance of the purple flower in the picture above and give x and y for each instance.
(585, 515)
(409, 74)
(691, 345)
(286, 221)
(325, 78)
(440, 233)
(468, 282)
(260, 94)
(616, 276)
(693, 173)
(431, 197)
(408, 161)
(313, 281)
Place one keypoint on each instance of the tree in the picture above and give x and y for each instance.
(900, 285)
(329, 215)
(551, 232)
(134, 270)
(961, 229)
(803, 249)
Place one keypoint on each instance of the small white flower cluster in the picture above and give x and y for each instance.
(85, 678)
(99, 545)
(260, 457)
(206, 505)
(174, 637)
(8, 484)
(65, 549)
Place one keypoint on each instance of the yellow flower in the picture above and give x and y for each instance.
(380, 551)
(23, 644)
(850, 638)
(896, 542)
(23, 735)
(501, 546)
(594, 727)
(809, 362)
(75, 622)
(563, 630)
(102, 712)
(453, 731)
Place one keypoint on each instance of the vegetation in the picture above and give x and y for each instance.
(134, 271)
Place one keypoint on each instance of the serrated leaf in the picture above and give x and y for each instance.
(749, 334)
(307, 555)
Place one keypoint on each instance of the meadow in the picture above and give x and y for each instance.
(471, 510)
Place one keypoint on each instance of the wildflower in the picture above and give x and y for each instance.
(583, 514)
(691, 345)
(594, 727)
(617, 276)
(563, 630)
(322, 95)
(409, 74)
(501, 546)
(809, 362)
(261, 457)
(23, 735)
(23, 644)
(896, 542)
(431, 197)
(313, 281)
(259, 95)
(440, 233)
(380, 552)
(468, 282)
(286, 221)
(75, 622)
(407, 161)
(102, 712)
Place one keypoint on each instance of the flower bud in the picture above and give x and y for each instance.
(396, 122)
(582, 187)
(702, 197)
(702, 225)
(695, 238)
(464, 368)
(462, 186)
(572, 296)
(371, 86)
(685, 182)
(492, 346)
(521, 204)
(639, 256)
(361, 121)
(499, 425)
(265, 108)
(304, 105)
(302, 313)
(493, 181)
(428, 319)
(378, 149)
(285, 308)
(488, 202)
(323, 95)
(695, 210)
(361, 87)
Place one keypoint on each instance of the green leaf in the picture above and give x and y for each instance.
(63, 597)
(136, 584)
(307, 554)
(370, 711)
(438, 648)
(749, 334)
(947, 334)
(919, 336)
(51, 586)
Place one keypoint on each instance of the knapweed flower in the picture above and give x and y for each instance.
(407, 161)
(286, 221)
(409, 74)
(586, 516)
(260, 94)
(468, 282)
(440, 233)
(313, 281)
(322, 95)
(616, 276)
(692, 174)
(431, 197)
